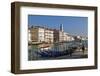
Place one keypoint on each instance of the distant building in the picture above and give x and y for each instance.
(79, 37)
(49, 36)
(60, 35)
(37, 34)
(56, 35)
(84, 38)
(29, 36)
(70, 38)
(41, 34)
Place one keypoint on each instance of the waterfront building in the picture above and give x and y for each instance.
(61, 36)
(37, 34)
(79, 37)
(70, 37)
(84, 38)
(61, 33)
(29, 35)
(48, 35)
(56, 35)
(64, 36)
(41, 34)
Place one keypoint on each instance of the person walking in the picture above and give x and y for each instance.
(83, 49)
(70, 51)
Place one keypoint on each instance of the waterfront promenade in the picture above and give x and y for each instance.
(62, 50)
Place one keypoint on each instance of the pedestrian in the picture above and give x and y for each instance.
(83, 49)
(70, 52)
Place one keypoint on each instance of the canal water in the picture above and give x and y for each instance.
(35, 52)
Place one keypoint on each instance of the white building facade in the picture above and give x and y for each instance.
(29, 36)
(49, 37)
(41, 36)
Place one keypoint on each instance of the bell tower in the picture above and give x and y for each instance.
(61, 27)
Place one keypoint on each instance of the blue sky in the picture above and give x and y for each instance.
(72, 25)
